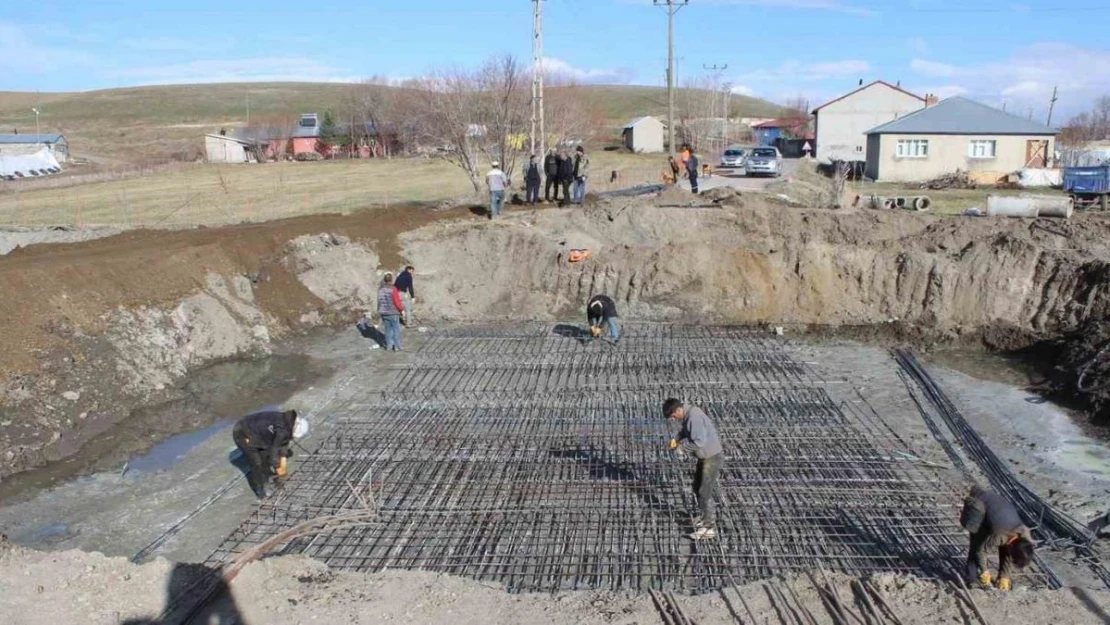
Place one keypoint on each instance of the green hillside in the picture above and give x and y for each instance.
(159, 123)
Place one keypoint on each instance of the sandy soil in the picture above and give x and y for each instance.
(73, 586)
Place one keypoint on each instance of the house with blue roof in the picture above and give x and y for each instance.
(957, 134)
(17, 144)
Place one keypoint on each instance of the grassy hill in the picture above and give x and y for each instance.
(151, 124)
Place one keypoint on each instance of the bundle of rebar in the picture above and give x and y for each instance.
(537, 458)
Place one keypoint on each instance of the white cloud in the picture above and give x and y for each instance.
(174, 44)
(943, 91)
(561, 69)
(262, 69)
(21, 52)
(742, 90)
(1027, 78)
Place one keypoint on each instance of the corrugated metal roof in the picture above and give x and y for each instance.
(960, 116)
(12, 139)
(638, 120)
(864, 88)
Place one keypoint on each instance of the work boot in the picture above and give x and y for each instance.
(985, 579)
(1004, 584)
(703, 533)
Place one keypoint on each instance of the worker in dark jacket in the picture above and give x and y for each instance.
(551, 174)
(601, 310)
(698, 437)
(532, 180)
(405, 287)
(994, 523)
(566, 175)
(264, 439)
(691, 162)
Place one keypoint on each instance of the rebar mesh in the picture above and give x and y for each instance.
(534, 459)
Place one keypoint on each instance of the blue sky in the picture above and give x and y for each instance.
(991, 50)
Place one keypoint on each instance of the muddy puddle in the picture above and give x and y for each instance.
(155, 438)
(986, 366)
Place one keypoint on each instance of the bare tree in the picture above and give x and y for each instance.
(1093, 125)
(796, 114)
(472, 117)
(569, 116)
(700, 102)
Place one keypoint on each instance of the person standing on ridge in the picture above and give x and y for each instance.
(408, 292)
(581, 174)
(566, 175)
(532, 180)
(551, 175)
(698, 437)
(497, 182)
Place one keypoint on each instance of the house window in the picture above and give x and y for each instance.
(912, 148)
(981, 148)
(859, 148)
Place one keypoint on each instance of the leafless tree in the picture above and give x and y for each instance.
(796, 114)
(699, 103)
(472, 117)
(1092, 125)
(569, 116)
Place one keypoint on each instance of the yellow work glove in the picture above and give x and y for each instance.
(1003, 583)
(985, 579)
(673, 444)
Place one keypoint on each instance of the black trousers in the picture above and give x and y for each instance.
(260, 473)
(532, 192)
(552, 183)
(705, 488)
(565, 184)
(694, 181)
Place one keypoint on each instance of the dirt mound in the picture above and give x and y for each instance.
(1078, 369)
(70, 587)
(724, 196)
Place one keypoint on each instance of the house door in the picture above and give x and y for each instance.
(1036, 154)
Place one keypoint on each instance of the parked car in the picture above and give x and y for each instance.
(735, 156)
(765, 161)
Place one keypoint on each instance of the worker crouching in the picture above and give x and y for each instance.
(264, 439)
(994, 523)
(601, 311)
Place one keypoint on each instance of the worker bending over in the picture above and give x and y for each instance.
(264, 438)
(698, 437)
(994, 524)
(601, 310)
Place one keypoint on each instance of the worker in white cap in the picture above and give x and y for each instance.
(497, 182)
(264, 439)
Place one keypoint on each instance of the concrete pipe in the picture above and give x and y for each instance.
(922, 203)
(900, 202)
(1030, 206)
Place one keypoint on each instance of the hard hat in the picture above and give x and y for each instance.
(300, 428)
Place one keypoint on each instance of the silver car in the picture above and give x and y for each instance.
(764, 161)
(734, 157)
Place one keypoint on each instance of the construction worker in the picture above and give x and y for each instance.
(392, 311)
(551, 175)
(264, 439)
(993, 523)
(698, 437)
(601, 310)
(497, 182)
(404, 285)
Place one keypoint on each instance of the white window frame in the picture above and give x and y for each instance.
(912, 148)
(974, 151)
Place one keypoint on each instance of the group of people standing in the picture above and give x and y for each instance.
(561, 172)
(395, 299)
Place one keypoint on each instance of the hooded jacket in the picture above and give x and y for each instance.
(270, 432)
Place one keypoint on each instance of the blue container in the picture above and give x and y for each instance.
(1087, 180)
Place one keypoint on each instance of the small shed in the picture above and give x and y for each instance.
(26, 145)
(644, 135)
(223, 148)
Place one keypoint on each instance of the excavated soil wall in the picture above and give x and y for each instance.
(96, 328)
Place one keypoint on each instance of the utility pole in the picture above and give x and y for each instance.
(248, 108)
(1051, 106)
(718, 69)
(537, 80)
(672, 7)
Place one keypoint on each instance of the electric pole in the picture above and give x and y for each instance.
(672, 7)
(537, 80)
(1051, 106)
(718, 69)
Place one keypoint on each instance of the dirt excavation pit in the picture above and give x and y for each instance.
(500, 451)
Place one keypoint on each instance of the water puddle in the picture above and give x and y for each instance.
(155, 438)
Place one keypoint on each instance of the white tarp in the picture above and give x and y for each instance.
(39, 161)
(1028, 178)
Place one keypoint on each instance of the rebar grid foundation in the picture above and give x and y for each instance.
(537, 460)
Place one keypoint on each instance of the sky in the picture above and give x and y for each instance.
(995, 51)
